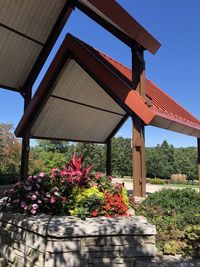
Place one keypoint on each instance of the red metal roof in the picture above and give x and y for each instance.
(162, 104)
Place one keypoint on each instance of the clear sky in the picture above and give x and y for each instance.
(175, 68)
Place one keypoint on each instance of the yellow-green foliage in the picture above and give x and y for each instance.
(124, 194)
(81, 195)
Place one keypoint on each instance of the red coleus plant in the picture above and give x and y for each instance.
(75, 172)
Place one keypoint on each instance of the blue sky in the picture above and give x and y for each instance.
(175, 68)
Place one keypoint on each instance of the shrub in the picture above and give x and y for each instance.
(74, 190)
(176, 214)
(156, 181)
(178, 178)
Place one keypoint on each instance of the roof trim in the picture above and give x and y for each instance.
(120, 23)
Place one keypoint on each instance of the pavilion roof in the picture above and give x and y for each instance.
(30, 28)
(86, 96)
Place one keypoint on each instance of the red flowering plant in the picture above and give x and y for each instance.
(73, 190)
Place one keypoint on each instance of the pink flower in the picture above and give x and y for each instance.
(33, 211)
(64, 199)
(56, 193)
(42, 174)
(39, 180)
(48, 194)
(16, 201)
(25, 207)
(53, 200)
(39, 201)
(98, 175)
(35, 206)
(33, 197)
(63, 173)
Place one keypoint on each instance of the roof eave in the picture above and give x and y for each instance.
(119, 22)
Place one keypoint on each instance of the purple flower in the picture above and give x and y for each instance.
(33, 197)
(28, 188)
(23, 204)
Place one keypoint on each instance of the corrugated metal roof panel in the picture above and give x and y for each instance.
(161, 102)
(70, 121)
(75, 84)
(17, 56)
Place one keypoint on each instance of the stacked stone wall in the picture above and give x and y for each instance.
(45, 241)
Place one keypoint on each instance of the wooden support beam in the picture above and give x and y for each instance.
(25, 139)
(138, 143)
(198, 159)
(109, 157)
(138, 155)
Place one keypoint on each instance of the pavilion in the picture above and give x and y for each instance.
(85, 95)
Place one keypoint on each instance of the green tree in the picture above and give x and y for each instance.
(121, 156)
(10, 150)
(160, 161)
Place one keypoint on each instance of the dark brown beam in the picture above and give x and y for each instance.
(26, 140)
(138, 143)
(109, 157)
(198, 159)
(10, 88)
(21, 34)
(86, 105)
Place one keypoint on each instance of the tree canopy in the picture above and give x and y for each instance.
(161, 161)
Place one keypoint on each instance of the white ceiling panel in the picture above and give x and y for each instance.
(75, 84)
(34, 18)
(17, 57)
(70, 121)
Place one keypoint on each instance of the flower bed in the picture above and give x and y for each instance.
(74, 190)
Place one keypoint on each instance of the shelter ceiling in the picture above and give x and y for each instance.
(24, 28)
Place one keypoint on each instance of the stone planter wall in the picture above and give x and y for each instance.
(46, 241)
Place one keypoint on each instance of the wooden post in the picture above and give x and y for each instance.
(25, 140)
(198, 159)
(109, 157)
(138, 143)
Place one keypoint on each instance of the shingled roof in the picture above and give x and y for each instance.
(86, 96)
